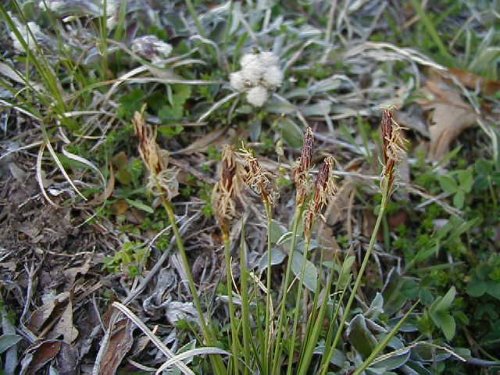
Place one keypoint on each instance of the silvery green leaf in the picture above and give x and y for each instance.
(376, 307)
(277, 257)
(360, 336)
(392, 361)
(280, 107)
(310, 276)
(276, 230)
(320, 108)
(325, 86)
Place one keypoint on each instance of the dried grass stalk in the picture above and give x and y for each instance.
(162, 181)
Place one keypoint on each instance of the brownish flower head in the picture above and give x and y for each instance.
(257, 179)
(301, 172)
(227, 190)
(324, 190)
(162, 180)
(394, 144)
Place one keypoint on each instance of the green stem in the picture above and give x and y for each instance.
(207, 333)
(232, 319)
(297, 309)
(268, 321)
(279, 346)
(373, 239)
(195, 18)
(245, 304)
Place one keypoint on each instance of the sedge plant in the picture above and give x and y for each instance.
(266, 332)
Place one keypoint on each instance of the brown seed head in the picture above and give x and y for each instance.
(162, 180)
(394, 144)
(257, 179)
(301, 172)
(227, 190)
(324, 190)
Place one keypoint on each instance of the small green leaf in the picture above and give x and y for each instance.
(448, 184)
(139, 205)
(493, 289)
(476, 288)
(444, 303)
(459, 199)
(446, 323)
(466, 180)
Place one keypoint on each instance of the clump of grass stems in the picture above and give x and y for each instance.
(264, 334)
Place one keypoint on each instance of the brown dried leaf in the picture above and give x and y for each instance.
(473, 81)
(450, 116)
(41, 316)
(64, 326)
(39, 355)
(71, 273)
(119, 345)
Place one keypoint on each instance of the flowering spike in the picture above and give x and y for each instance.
(162, 180)
(256, 178)
(301, 172)
(227, 190)
(324, 190)
(394, 145)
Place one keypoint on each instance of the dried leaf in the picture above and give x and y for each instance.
(473, 81)
(119, 345)
(40, 316)
(71, 273)
(39, 355)
(451, 115)
(64, 326)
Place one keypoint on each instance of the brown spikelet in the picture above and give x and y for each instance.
(227, 190)
(324, 190)
(162, 180)
(394, 145)
(257, 179)
(301, 172)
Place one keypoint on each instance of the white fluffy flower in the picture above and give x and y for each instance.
(151, 48)
(237, 81)
(249, 58)
(257, 96)
(268, 59)
(253, 71)
(259, 74)
(273, 76)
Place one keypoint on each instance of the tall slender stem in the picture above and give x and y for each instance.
(373, 239)
(277, 353)
(207, 332)
(268, 321)
(195, 18)
(297, 309)
(232, 319)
